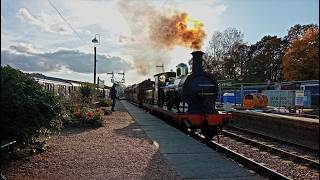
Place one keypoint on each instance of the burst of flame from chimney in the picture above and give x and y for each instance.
(178, 29)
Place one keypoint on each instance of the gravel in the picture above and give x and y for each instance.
(287, 168)
(119, 150)
(285, 147)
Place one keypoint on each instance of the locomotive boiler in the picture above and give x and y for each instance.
(198, 90)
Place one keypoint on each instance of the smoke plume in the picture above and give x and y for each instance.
(156, 32)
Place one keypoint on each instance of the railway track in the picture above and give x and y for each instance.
(272, 139)
(277, 170)
(262, 167)
(288, 165)
(247, 162)
(269, 147)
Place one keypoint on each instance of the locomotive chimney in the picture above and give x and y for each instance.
(197, 61)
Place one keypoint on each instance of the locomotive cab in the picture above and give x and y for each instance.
(182, 70)
(161, 80)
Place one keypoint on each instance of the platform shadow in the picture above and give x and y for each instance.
(159, 168)
(133, 130)
(120, 107)
(67, 131)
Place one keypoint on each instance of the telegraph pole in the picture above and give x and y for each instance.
(112, 76)
(113, 80)
(162, 67)
(95, 41)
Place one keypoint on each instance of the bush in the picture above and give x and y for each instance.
(104, 103)
(68, 111)
(26, 107)
(87, 92)
(89, 116)
(97, 120)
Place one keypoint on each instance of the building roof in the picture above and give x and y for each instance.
(54, 79)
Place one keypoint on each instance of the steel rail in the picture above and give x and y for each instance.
(247, 162)
(273, 139)
(263, 170)
(284, 154)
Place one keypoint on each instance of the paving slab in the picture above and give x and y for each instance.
(146, 118)
(174, 147)
(190, 158)
(151, 123)
(206, 165)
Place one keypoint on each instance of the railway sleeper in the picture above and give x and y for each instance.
(281, 153)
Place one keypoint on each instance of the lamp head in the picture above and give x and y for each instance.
(95, 40)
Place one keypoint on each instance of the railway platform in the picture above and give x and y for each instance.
(301, 131)
(188, 157)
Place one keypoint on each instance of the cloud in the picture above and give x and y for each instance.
(28, 58)
(44, 21)
(24, 48)
(2, 19)
(24, 15)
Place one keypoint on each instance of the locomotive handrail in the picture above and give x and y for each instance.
(205, 85)
(206, 94)
(8, 144)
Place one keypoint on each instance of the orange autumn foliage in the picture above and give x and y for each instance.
(301, 60)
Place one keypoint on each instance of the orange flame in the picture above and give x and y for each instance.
(177, 30)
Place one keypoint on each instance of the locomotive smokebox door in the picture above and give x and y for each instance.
(200, 89)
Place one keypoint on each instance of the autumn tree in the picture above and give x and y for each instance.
(228, 57)
(297, 31)
(301, 60)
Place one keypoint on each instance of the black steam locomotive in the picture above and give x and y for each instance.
(186, 98)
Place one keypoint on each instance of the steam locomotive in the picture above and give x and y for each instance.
(188, 99)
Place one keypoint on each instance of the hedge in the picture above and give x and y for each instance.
(25, 106)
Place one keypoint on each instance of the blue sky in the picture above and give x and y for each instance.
(256, 18)
(34, 38)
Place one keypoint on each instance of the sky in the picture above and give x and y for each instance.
(36, 38)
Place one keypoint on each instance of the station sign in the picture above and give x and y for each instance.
(100, 83)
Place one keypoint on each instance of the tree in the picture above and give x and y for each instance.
(266, 59)
(235, 61)
(229, 58)
(301, 59)
(297, 31)
(214, 54)
(252, 67)
(221, 59)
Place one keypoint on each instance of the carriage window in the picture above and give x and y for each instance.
(178, 71)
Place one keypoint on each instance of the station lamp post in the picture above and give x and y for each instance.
(95, 41)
